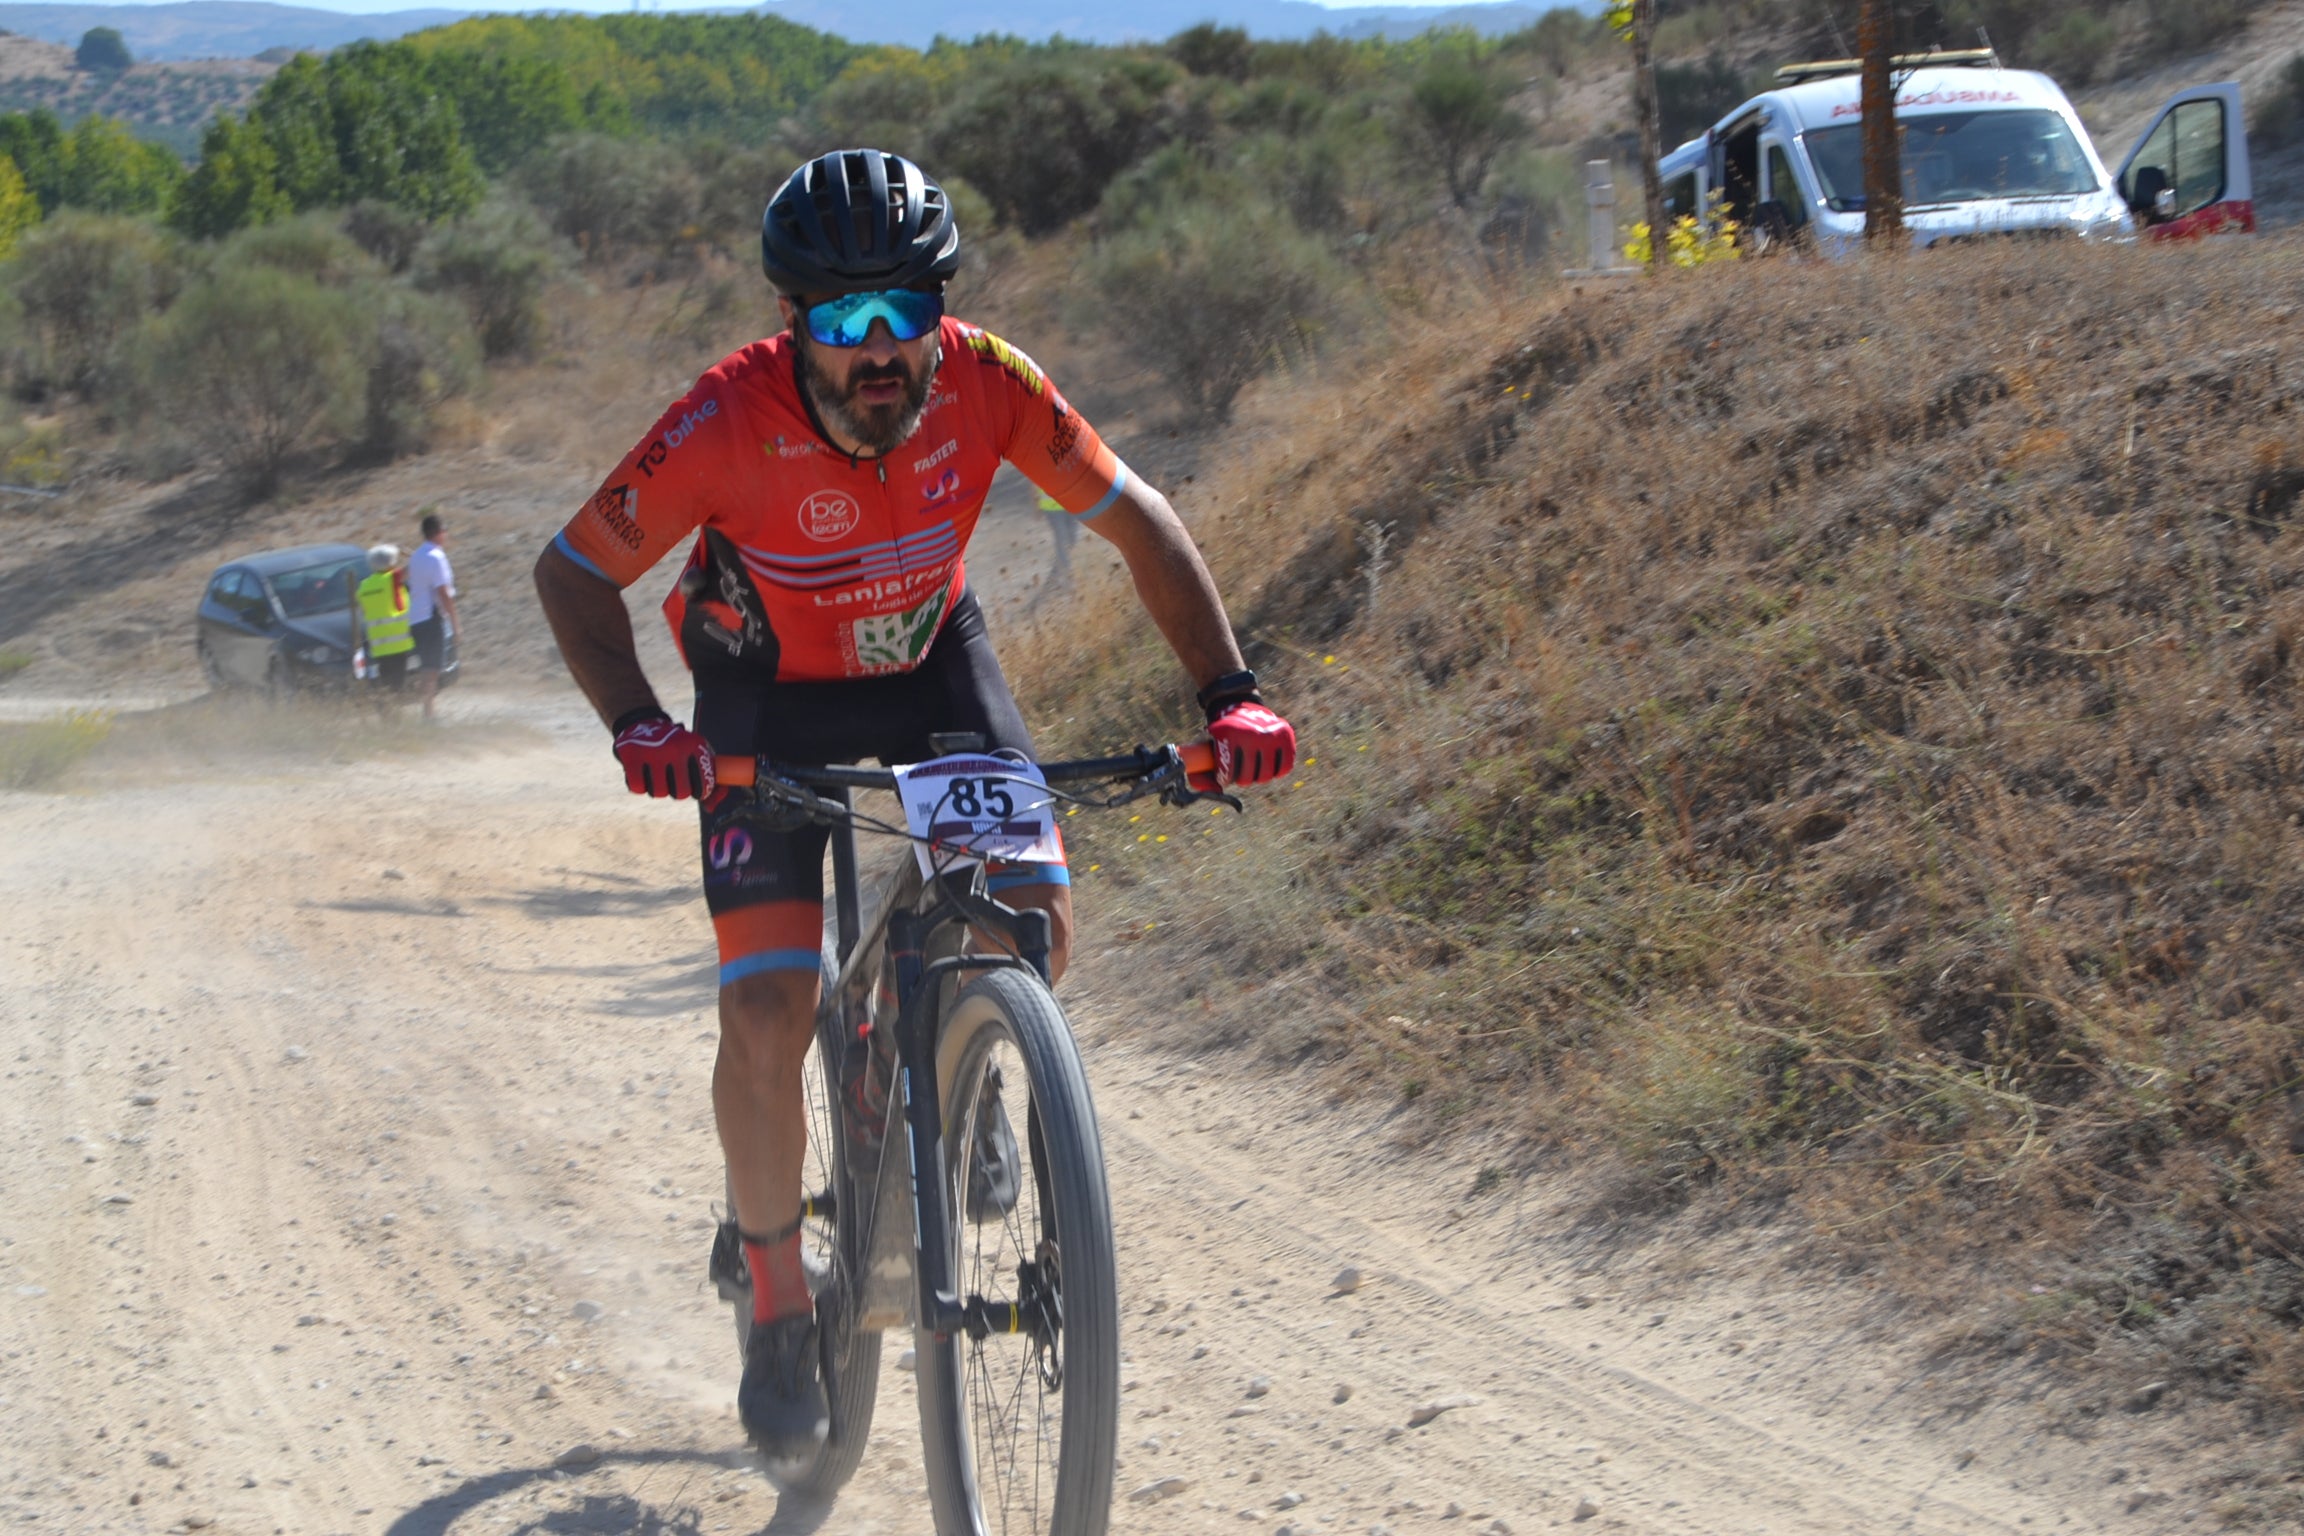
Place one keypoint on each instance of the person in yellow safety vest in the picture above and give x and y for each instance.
(384, 617)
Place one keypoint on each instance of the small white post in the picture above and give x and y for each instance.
(1600, 203)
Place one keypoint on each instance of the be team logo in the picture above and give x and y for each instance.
(829, 515)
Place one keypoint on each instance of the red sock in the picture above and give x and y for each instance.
(779, 1283)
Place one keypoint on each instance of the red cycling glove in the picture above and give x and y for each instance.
(664, 758)
(1253, 746)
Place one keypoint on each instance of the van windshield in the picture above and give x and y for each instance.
(1961, 157)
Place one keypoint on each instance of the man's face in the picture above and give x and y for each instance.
(872, 395)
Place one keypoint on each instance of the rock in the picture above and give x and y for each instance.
(388, 1219)
(588, 1311)
(1199, 1351)
(1252, 1514)
(1288, 1500)
(908, 1361)
(2142, 1498)
(1258, 1386)
(118, 1198)
(1454, 1511)
(1585, 1508)
(577, 1456)
(296, 1053)
(1342, 1394)
(1149, 1443)
(1348, 1280)
(159, 1459)
(544, 1392)
(144, 1100)
(198, 1522)
(1424, 1413)
(309, 1320)
(1243, 1411)
(1498, 1528)
(1160, 1488)
(1379, 1529)
(2143, 1398)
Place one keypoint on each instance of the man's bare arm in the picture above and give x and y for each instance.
(595, 636)
(1172, 581)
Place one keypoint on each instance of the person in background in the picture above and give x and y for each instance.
(1064, 528)
(431, 606)
(382, 603)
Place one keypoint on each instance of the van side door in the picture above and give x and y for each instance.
(2189, 176)
(1785, 207)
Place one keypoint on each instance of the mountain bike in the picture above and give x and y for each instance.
(989, 1228)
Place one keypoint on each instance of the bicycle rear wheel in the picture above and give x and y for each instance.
(1019, 1429)
(850, 1356)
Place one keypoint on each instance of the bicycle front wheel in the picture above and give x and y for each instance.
(1019, 1428)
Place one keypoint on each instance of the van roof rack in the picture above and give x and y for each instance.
(1943, 58)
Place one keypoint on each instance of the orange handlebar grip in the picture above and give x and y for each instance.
(1199, 756)
(735, 772)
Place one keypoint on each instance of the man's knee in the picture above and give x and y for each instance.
(1056, 901)
(769, 1014)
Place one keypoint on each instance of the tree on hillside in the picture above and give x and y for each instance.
(102, 50)
(1460, 113)
(1041, 138)
(1883, 169)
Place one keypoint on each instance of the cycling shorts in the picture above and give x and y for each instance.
(765, 889)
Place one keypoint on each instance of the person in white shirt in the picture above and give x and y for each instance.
(431, 599)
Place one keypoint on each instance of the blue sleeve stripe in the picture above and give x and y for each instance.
(736, 970)
(1119, 484)
(560, 542)
(1037, 874)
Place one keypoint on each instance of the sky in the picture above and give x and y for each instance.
(368, 7)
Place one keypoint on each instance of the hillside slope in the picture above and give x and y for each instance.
(1822, 732)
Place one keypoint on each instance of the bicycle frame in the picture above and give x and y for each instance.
(945, 899)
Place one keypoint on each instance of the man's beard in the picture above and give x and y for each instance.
(876, 429)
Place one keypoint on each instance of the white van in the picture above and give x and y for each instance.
(1986, 151)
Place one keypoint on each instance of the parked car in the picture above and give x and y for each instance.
(283, 621)
(1985, 151)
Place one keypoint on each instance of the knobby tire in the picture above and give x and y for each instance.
(1005, 1454)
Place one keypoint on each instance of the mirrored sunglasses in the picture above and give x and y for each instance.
(847, 320)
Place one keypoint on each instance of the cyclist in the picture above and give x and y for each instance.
(832, 474)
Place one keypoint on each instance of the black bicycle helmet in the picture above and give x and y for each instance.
(855, 220)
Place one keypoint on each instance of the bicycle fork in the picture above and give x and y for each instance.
(943, 1311)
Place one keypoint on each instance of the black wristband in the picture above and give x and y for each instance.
(1230, 689)
(641, 716)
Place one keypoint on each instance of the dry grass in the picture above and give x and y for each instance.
(1828, 728)
(39, 753)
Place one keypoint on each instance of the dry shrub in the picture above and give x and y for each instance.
(1827, 724)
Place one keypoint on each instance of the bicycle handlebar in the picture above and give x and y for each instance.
(744, 772)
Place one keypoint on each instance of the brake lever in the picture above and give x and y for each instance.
(1183, 794)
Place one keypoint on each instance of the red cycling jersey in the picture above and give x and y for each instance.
(810, 566)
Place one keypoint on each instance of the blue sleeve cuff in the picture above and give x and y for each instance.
(1119, 484)
(560, 543)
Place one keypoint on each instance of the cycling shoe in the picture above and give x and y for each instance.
(781, 1400)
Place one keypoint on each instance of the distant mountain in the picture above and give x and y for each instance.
(239, 29)
(214, 29)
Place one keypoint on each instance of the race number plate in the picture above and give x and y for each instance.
(969, 808)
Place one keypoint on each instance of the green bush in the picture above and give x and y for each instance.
(607, 196)
(388, 233)
(498, 262)
(2186, 26)
(1208, 49)
(83, 283)
(1213, 295)
(312, 246)
(1692, 97)
(1043, 136)
(423, 355)
(102, 50)
(1458, 119)
(258, 364)
(2074, 48)
(733, 186)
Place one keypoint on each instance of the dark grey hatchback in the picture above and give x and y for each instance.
(282, 620)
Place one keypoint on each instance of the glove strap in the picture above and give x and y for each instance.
(1230, 689)
(646, 714)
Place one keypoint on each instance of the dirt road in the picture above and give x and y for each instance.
(358, 1177)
